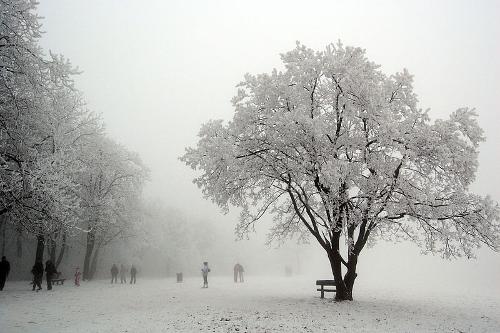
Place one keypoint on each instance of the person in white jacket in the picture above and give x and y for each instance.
(204, 271)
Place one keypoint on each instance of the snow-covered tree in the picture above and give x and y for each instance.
(110, 187)
(21, 76)
(59, 173)
(336, 149)
(40, 116)
(42, 122)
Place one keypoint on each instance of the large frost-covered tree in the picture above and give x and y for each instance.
(42, 118)
(336, 149)
(59, 173)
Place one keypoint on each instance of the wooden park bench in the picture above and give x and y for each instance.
(58, 281)
(323, 283)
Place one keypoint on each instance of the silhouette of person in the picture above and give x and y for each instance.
(77, 277)
(50, 271)
(133, 272)
(4, 271)
(37, 272)
(114, 274)
(123, 272)
(240, 272)
(204, 271)
(236, 271)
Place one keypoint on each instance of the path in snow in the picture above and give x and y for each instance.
(258, 305)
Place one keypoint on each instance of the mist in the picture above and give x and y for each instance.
(156, 71)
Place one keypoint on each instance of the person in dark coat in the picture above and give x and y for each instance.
(114, 274)
(240, 272)
(4, 271)
(235, 271)
(50, 272)
(37, 272)
(133, 272)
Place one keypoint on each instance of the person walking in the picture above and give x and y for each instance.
(133, 272)
(37, 272)
(123, 272)
(77, 277)
(50, 271)
(204, 271)
(4, 271)
(235, 272)
(240, 272)
(114, 273)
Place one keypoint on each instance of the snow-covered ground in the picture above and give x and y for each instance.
(258, 305)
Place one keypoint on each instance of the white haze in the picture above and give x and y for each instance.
(157, 70)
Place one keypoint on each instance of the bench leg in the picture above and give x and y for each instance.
(322, 292)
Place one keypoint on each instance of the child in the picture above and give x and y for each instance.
(204, 272)
(77, 277)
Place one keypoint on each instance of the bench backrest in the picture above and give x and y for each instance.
(325, 282)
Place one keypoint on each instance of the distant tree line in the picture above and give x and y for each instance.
(60, 174)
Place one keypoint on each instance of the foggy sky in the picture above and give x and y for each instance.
(157, 70)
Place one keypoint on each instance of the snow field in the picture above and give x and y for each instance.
(258, 305)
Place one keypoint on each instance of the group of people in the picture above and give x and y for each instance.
(37, 271)
(123, 274)
(238, 272)
(51, 272)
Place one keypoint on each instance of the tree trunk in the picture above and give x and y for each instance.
(88, 255)
(344, 285)
(51, 245)
(4, 226)
(351, 274)
(93, 265)
(19, 243)
(342, 294)
(61, 250)
(40, 247)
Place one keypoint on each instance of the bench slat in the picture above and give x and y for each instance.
(325, 282)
